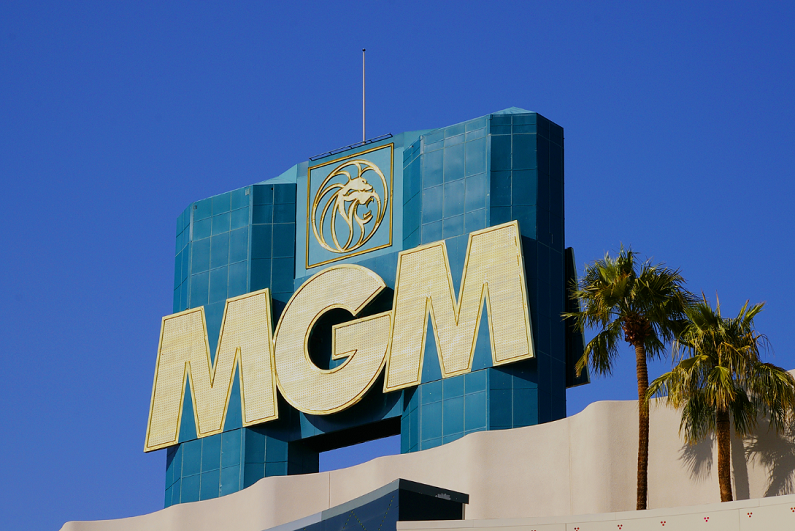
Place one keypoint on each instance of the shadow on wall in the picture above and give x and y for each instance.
(776, 452)
(697, 459)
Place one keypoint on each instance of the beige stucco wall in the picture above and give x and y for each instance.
(583, 464)
(747, 515)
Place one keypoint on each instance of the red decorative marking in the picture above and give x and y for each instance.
(749, 514)
(662, 522)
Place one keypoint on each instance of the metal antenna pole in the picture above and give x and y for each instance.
(364, 137)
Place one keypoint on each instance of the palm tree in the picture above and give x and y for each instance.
(643, 304)
(720, 377)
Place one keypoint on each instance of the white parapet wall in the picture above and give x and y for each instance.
(584, 464)
(748, 515)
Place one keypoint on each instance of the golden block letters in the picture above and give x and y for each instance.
(245, 344)
(493, 277)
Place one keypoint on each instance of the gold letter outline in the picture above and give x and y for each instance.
(494, 257)
(363, 341)
(255, 368)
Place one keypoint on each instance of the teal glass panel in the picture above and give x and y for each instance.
(477, 123)
(237, 279)
(284, 240)
(498, 379)
(411, 180)
(524, 119)
(475, 410)
(503, 215)
(262, 214)
(218, 284)
(411, 215)
(221, 203)
(238, 245)
(525, 185)
(412, 240)
(500, 411)
(199, 289)
(282, 275)
(476, 156)
(211, 452)
(263, 195)
(432, 168)
(221, 223)
(431, 392)
(260, 274)
(434, 136)
(284, 213)
(454, 140)
(239, 218)
(482, 357)
(522, 129)
(190, 489)
(474, 382)
(231, 442)
(476, 192)
(500, 188)
(525, 410)
(474, 221)
(201, 256)
(202, 228)
(210, 484)
(186, 263)
(219, 250)
(526, 216)
(453, 130)
(230, 480)
(252, 473)
(431, 443)
(453, 226)
(453, 386)
(261, 241)
(191, 457)
(454, 163)
(175, 492)
(431, 415)
(432, 204)
(276, 469)
(202, 209)
(500, 153)
(453, 415)
(284, 194)
(454, 193)
(524, 152)
(239, 198)
(431, 371)
(542, 154)
(474, 135)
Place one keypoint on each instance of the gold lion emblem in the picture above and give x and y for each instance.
(343, 201)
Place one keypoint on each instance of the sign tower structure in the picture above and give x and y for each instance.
(344, 316)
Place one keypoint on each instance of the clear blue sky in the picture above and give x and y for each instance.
(679, 120)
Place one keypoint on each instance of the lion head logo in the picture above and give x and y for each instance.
(347, 196)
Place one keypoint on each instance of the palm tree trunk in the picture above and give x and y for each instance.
(724, 454)
(643, 427)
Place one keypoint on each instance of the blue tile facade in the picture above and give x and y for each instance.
(449, 182)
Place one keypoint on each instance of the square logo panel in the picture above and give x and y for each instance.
(349, 206)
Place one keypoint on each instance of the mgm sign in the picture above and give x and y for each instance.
(410, 285)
